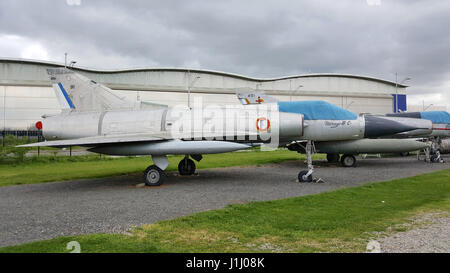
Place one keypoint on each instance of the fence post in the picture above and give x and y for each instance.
(39, 140)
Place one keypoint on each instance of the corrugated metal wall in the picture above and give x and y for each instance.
(25, 92)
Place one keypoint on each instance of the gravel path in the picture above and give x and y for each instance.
(428, 238)
(42, 211)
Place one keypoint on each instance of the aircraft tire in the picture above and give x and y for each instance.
(154, 176)
(186, 167)
(434, 159)
(332, 158)
(348, 161)
(301, 177)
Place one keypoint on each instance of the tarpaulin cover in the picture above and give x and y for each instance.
(316, 110)
(436, 116)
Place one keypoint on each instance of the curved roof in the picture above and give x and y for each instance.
(206, 71)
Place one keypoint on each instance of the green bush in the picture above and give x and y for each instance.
(11, 154)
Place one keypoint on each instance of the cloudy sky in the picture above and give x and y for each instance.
(376, 38)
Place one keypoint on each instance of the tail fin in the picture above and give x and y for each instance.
(78, 93)
(246, 98)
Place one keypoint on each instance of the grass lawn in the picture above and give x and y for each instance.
(338, 221)
(79, 167)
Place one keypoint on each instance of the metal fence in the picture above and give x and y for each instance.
(22, 134)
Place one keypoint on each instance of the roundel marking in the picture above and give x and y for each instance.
(262, 124)
(39, 125)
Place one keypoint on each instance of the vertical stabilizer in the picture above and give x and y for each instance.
(78, 93)
(246, 98)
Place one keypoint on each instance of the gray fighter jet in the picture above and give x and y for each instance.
(109, 123)
(440, 131)
(332, 121)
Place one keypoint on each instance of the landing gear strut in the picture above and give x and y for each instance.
(306, 176)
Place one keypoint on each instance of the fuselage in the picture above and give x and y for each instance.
(243, 124)
(238, 123)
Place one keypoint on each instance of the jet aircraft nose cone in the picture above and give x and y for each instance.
(377, 126)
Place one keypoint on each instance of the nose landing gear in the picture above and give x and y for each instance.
(306, 176)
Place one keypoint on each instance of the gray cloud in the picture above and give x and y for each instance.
(255, 38)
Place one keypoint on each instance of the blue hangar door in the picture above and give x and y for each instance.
(401, 103)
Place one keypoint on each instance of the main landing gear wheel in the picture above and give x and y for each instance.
(436, 158)
(333, 158)
(348, 161)
(154, 176)
(186, 167)
(303, 178)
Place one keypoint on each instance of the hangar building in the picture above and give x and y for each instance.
(26, 93)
